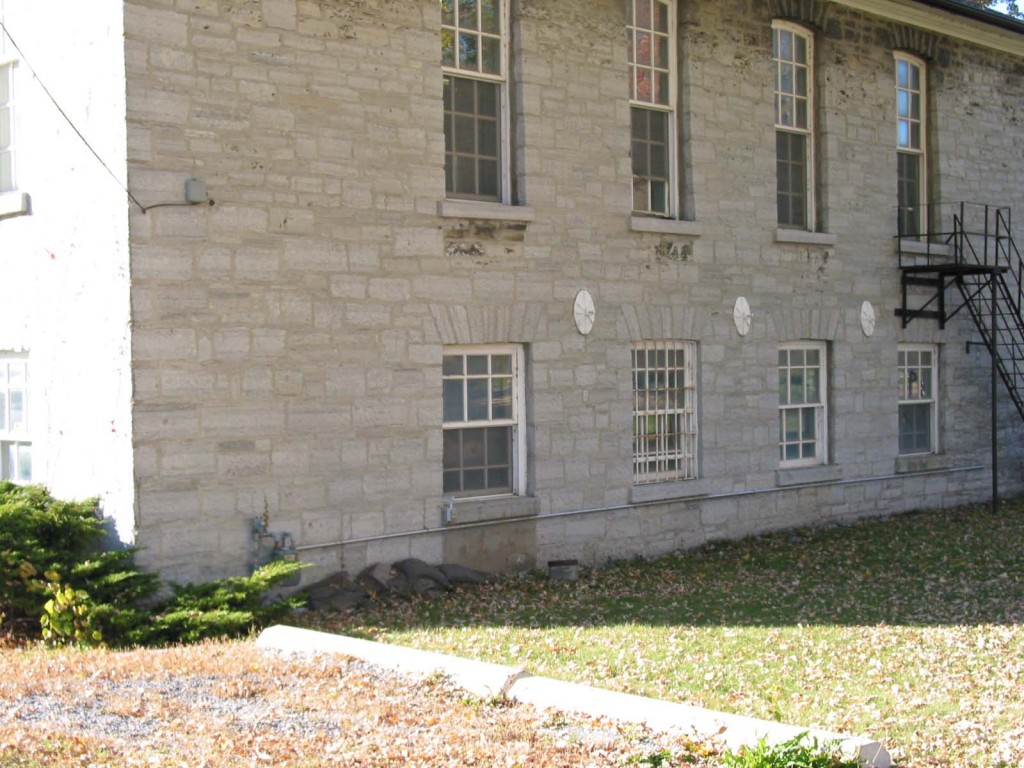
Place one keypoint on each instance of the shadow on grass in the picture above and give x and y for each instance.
(956, 567)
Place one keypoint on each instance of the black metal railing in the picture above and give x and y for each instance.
(971, 245)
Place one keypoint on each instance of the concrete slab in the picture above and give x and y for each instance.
(487, 680)
(478, 677)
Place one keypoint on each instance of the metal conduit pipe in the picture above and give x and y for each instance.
(621, 507)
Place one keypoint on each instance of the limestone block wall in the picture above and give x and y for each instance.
(64, 260)
(288, 338)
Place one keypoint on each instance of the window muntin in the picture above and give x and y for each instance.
(792, 57)
(651, 45)
(482, 412)
(918, 414)
(802, 404)
(473, 58)
(7, 180)
(15, 445)
(664, 411)
(910, 144)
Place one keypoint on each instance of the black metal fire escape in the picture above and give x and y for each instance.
(969, 246)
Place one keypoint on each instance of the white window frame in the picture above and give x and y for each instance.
(909, 373)
(15, 439)
(504, 100)
(516, 421)
(790, 124)
(7, 73)
(909, 146)
(652, 104)
(819, 405)
(671, 446)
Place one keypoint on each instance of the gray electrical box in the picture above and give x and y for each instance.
(195, 191)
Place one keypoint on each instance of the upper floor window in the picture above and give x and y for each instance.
(484, 449)
(474, 45)
(15, 445)
(652, 55)
(918, 414)
(793, 56)
(7, 180)
(802, 404)
(910, 145)
(664, 411)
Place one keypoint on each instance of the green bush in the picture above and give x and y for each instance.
(788, 754)
(56, 580)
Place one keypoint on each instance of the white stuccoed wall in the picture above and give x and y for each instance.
(65, 267)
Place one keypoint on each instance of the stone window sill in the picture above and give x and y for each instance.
(665, 226)
(824, 473)
(480, 510)
(922, 462)
(15, 204)
(802, 237)
(474, 209)
(681, 489)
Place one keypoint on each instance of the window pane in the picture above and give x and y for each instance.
(474, 480)
(809, 430)
(465, 175)
(468, 51)
(499, 445)
(491, 55)
(452, 365)
(17, 410)
(476, 396)
(473, 447)
(490, 16)
(465, 95)
(477, 365)
(488, 178)
(501, 392)
(450, 482)
(452, 449)
(643, 13)
(448, 47)
(3, 412)
(5, 127)
(448, 12)
(465, 135)
(467, 14)
(643, 48)
(661, 17)
(498, 478)
(24, 474)
(454, 406)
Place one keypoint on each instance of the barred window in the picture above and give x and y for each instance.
(802, 404)
(917, 398)
(664, 411)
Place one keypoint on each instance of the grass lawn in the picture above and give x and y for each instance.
(908, 630)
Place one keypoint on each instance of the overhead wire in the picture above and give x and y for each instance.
(24, 59)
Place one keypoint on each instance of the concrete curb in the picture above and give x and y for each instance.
(487, 680)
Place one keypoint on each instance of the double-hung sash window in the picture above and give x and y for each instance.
(652, 54)
(918, 415)
(484, 450)
(474, 59)
(802, 404)
(15, 445)
(7, 179)
(910, 144)
(793, 56)
(664, 411)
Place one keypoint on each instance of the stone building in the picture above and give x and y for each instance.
(502, 281)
